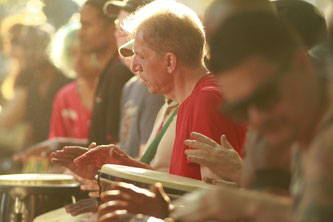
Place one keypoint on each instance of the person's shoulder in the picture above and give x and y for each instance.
(68, 88)
(132, 82)
(67, 91)
(209, 85)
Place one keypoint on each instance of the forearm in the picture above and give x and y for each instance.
(265, 207)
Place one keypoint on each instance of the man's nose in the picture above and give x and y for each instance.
(135, 66)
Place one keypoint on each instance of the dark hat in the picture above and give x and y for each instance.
(112, 8)
(306, 19)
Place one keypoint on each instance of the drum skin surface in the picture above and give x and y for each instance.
(25, 196)
(172, 184)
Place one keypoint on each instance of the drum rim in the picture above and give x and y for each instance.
(172, 184)
(38, 180)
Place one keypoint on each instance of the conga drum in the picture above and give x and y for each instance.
(173, 185)
(25, 196)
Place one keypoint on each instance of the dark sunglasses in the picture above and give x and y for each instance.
(263, 98)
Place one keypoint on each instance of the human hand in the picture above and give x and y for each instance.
(101, 155)
(105, 154)
(88, 185)
(66, 157)
(127, 198)
(40, 149)
(222, 159)
(221, 204)
(219, 182)
(88, 205)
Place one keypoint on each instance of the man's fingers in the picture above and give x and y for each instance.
(89, 187)
(91, 156)
(111, 195)
(198, 159)
(118, 215)
(225, 143)
(60, 162)
(85, 160)
(132, 190)
(197, 152)
(116, 151)
(112, 206)
(198, 145)
(92, 145)
(159, 192)
(63, 155)
(94, 194)
(75, 150)
(203, 139)
(94, 153)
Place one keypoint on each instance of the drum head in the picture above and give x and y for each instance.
(172, 184)
(36, 179)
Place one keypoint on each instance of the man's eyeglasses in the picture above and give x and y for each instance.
(263, 98)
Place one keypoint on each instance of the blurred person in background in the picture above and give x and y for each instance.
(73, 103)
(138, 107)
(285, 99)
(272, 173)
(35, 81)
(96, 36)
(59, 12)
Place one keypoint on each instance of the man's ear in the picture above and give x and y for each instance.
(170, 62)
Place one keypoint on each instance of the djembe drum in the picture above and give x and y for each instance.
(25, 196)
(173, 185)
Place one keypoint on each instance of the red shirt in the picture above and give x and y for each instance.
(70, 118)
(199, 113)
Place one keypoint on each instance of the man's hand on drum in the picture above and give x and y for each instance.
(105, 154)
(127, 198)
(66, 157)
(231, 204)
(221, 204)
(101, 155)
(88, 205)
(222, 159)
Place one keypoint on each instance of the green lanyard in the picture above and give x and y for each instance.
(151, 150)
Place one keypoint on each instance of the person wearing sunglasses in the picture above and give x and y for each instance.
(282, 96)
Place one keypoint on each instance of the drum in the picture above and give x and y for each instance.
(59, 215)
(173, 185)
(25, 196)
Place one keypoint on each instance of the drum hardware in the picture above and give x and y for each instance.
(18, 213)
